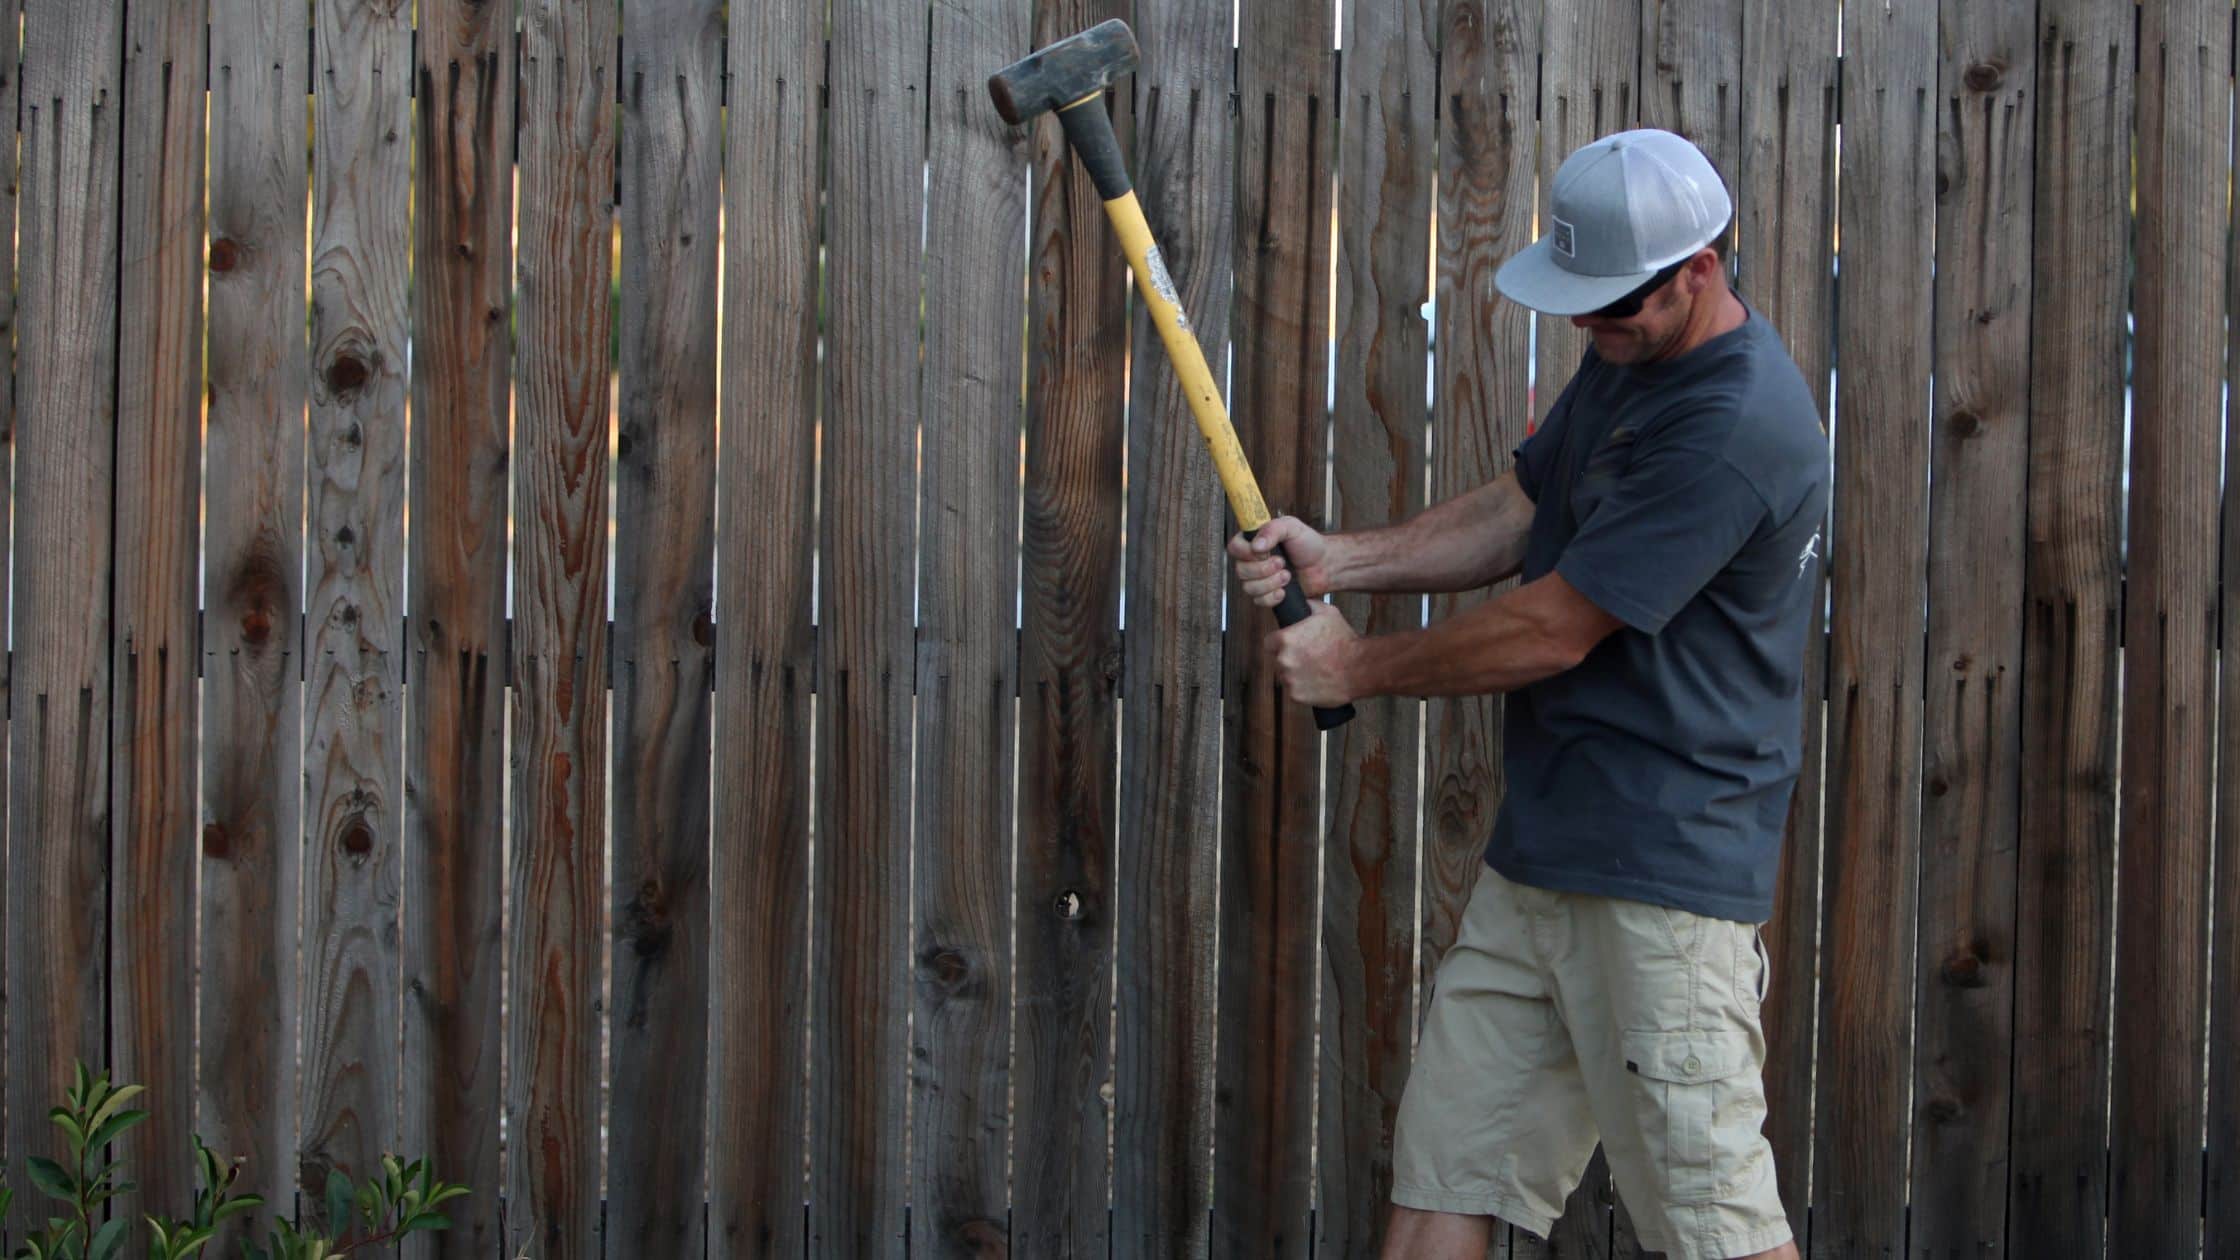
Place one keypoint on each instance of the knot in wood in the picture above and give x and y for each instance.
(1944, 1110)
(347, 374)
(1068, 905)
(704, 629)
(357, 839)
(1965, 423)
(224, 254)
(948, 966)
(1984, 76)
(645, 921)
(1964, 970)
(216, 843)
(256, 627)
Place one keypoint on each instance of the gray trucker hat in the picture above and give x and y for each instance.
(1620, 209)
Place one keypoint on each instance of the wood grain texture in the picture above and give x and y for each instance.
(759, 920)
(58, 752)
(1271, 753)
(1069, 667)
(259, 370)
(455, 681)
(1877, 561)
(2169, 719)
(1481, 404)
(152, 663)
(1691, 76)
(1784, 193)
(2073, 597)
(664, 624)
(1171, 717)
(354, 741)
(968, 641)
(859, 1000)
(1971, 725)
(555, 988)
(11, 97)
(1371, 856)
(1590, 86)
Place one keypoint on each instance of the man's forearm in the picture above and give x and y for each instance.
(1469, 541)
(1510, 641)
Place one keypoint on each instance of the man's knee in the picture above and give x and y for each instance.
(1414, 1233)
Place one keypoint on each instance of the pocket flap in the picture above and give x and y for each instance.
(1686, 1058)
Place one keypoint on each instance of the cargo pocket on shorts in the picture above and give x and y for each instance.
(1692, 1093)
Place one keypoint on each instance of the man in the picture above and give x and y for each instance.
(1665, 522)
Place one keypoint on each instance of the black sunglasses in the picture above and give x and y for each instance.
(1630, 305)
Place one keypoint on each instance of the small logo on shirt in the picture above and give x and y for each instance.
(1560, 241)
(1809, 554)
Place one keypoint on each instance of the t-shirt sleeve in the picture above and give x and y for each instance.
(1672, 520)
(1533, 455)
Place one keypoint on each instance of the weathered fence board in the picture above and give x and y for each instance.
(1271, 753)
(555, 988)
(1784, 195)
(765, 551)
(456, 595)
(968, 643)
(58, 750)
(11, 98)
(152, 649)
(1971, 733)
(2169, 710)
(859, 952)
(1877, 560)
(1370, 853)
(1691, 76)
(1171, 682)
(664, 628)
(353, 744)
(1069, 666)
(2073, 598)
(259, 368)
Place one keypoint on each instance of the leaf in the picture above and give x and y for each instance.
(115, 1125)
(427, 1220)
(236, 1206)
(66, 1121)
(338, 1200)
(107, 1242)
(115, 1100)
(52, 1180)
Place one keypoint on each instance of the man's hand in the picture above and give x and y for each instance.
(1263, 572)
(1314, 657)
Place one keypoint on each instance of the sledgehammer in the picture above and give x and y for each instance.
(1071, 76)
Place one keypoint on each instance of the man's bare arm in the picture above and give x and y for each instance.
(1536, 631)
(1472, 540)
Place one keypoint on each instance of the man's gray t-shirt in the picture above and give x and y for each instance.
(1686, 499)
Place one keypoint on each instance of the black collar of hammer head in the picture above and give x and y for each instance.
(1073, 69)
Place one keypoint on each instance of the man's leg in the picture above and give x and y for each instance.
(1786, 1251)
(1418, 1235)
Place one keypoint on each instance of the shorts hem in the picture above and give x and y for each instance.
(1500, 1205)
(1717, 1246)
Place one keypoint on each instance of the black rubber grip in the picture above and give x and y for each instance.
(1089, 130)
(1291, 612)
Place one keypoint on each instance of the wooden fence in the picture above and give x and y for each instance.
(385, 772)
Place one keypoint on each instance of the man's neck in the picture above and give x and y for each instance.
(1715, 314)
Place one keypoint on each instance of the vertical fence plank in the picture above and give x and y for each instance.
(11, 100)
(765, 557)
(664, 629)
(1589, 69)
(456, 594)
(2066, 866)
(1388, 99)
(252, 749)
(555, 989)
(967, 660)
(58, 810)
(353, 749)
(1971, 730)
(152, 658)
(1069, 665)
(2169, 623)
(1170, 726)
(1263, 1121)
(869, 508)
(1691, 76)
(1877, 559)
(1785, 211)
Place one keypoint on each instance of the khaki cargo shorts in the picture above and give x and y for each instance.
(1560, 1019)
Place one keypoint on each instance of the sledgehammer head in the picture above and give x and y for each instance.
(1065, 72)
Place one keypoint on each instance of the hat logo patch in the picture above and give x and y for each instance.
(1560, 241)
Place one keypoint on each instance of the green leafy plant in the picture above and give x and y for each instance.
(404, 1198)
